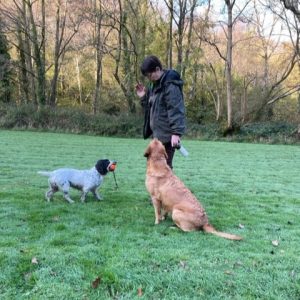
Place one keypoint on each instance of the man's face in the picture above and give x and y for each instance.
(154, 76)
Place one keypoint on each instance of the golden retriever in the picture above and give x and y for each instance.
(170, 194)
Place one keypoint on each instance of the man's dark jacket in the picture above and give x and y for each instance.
(164, 108)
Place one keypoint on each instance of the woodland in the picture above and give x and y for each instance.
(239, 59)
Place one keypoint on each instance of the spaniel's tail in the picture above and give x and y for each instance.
(210, 229)
(45, 173)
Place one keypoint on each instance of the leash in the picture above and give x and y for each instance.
(115, 180)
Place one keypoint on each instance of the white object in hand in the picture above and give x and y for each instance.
(183, 151)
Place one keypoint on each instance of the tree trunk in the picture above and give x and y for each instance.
(140, 38)
(127, 66)
(189, 39)
(218, 103)
(170, 36)
(98, 22)
(43, 48)
(40, 64)
(123, 58)
(229, 64)
(181, 24)
(30, 73)
(244, 102)
(23, 78)
(78, 79)
(194, 83)
(58, 36)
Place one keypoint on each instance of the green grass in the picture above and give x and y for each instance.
(116, 241)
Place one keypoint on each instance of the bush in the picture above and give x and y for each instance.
(69, 120)
(271, 132)
(130, 125)
(17, 116)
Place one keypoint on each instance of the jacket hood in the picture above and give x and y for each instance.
(171, 76)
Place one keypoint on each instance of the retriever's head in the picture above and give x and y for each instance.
(156, 150)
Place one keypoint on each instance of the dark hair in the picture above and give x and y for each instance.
(102, 165)
(150, 64)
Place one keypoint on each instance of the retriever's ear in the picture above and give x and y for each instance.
(147, 151)
(165, 154)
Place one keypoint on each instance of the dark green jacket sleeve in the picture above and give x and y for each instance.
(175, 108)
(147, 132)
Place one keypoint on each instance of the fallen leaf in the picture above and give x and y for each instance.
(275, 243)
(96, 282)
(238, 264)
(293, 274)
(182, 264)
(27, 276)
(140, 292)
(228, 272)
(34, 261)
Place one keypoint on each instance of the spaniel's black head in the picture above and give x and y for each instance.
(103, 166)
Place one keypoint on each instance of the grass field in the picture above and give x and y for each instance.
(112, 250)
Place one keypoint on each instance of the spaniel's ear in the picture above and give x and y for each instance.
(101, 166)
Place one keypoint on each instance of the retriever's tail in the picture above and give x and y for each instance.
(210, 229)
(45, 173)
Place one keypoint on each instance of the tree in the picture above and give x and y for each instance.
(38, 48)
(65, 29)
(99, 53)
(170, 5)
(293, 6)
(130, 49)
(277, 89)
(181, 12)
(5, 72)
(227, 57)
(228, 61)
(17, 26)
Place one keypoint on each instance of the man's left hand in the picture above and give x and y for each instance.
(175, 140)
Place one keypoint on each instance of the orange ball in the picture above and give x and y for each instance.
(112, 167)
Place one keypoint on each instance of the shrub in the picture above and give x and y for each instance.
(130, 125)
(268, 131)
(69, 120)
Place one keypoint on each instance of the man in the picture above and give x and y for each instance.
(163, 105)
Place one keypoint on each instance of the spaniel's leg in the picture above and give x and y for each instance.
(65, 189)
(52, 189)
(96, 194)
(49, 194)
(83, 195)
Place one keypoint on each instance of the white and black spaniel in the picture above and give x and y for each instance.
(83, 180)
